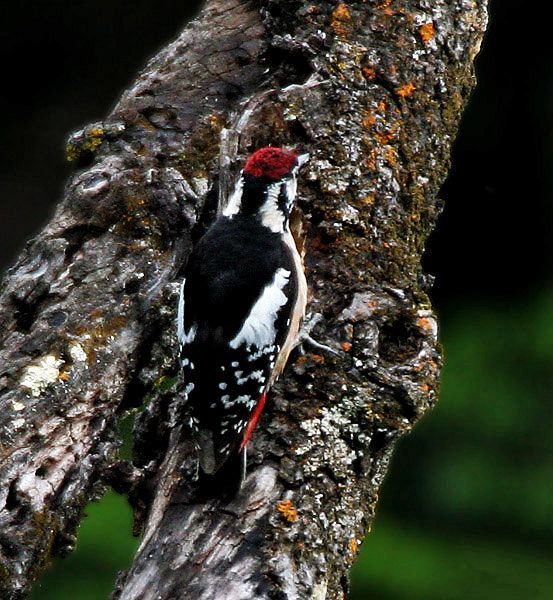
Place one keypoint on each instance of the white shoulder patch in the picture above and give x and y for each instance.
(259, 327)
(235, 200)
(180, 312)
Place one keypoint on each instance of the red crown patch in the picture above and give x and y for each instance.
(270, 163)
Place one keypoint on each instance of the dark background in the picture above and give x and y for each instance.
(467, 510)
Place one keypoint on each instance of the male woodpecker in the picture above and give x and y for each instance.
(240, 308)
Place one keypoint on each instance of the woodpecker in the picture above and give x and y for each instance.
(240, 308)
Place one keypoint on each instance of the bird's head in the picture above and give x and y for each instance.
(267, 187)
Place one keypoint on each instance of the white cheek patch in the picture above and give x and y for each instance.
(271, 215)
(259, 327)
(291, 189)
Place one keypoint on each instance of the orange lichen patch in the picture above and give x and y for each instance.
(384, 6)
(386, 137)
(369, 119)
(425, 387)
(427, 367)
(382, 106)
(216, 121)
(390, 155)
(133, 204)
(341, 20)
(368, 200)
(405, 90)
(99, 335)
(63, 376)
(426, 325)
(373, 304)
(369, 73)
(370, 161)
(427, 32)
(287, 509)
(353, 546)
(433, 365)
(346, 346)
(318, 358)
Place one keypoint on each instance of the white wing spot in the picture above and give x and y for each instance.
(258, 375)
(222, 385)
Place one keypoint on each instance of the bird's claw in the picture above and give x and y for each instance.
(304, 336)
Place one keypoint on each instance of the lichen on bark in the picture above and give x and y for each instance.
(374, 92)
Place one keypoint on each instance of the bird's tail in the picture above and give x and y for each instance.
(219, 474)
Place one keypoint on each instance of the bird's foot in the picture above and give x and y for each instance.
(304, 336)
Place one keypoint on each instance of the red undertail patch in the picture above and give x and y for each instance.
(253, 421)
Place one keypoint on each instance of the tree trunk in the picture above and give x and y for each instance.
(373, 90)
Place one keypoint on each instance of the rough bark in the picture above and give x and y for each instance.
(374, 91)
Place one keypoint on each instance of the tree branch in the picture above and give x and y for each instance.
(374, 91)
